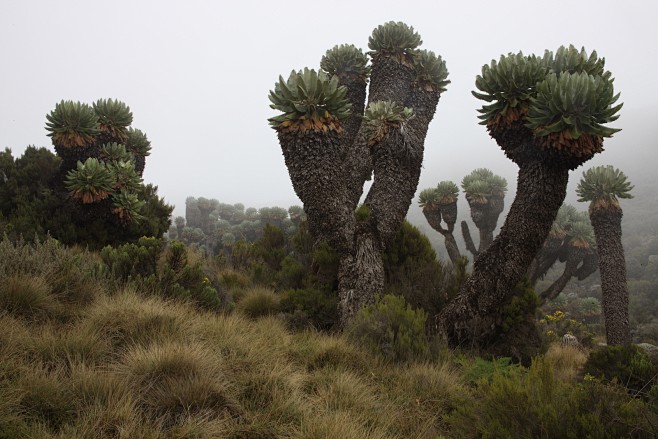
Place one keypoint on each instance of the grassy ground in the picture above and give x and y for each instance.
(83, 358)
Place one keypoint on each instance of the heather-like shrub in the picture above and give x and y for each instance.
(537, 404)
(310, 307)
(392, 328)
(629, 366)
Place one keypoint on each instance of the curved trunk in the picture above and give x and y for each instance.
(545, 259)
(451, 247)
(590, 265)
(433, 217)
(612, 264)
(468, 240)
(472, 318)
(574, 257)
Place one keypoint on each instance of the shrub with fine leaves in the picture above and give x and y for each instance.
(392, 328)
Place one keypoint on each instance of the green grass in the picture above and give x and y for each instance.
(117, 363)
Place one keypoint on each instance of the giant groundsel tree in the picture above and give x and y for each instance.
(332, 142)
(439, 204)
(102, 161)
(603, 186)
(548, 114)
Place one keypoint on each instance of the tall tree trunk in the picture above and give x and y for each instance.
(472, 319)
(451, 247)
(360, 274)
(612, 265)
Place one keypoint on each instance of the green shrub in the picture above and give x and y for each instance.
(628, 366)
(259, 302)
(132, 260)
(310, 307)
(537, 404)
(391, 328)
(476, 369)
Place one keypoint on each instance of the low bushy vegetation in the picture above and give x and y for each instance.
(101, 353)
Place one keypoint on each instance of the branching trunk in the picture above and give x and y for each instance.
(545, 259)
(607, 230)
(433, 217)
(397, 161)
(574, 257)
(471, 319)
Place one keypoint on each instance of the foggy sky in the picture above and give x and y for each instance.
(196, 76)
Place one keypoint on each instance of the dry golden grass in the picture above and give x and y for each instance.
(94, 365)
(567, 361)
(258, 302)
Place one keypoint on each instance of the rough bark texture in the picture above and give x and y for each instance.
(316, 170)
(472, 319)
(612, 264)
(328, 172)
(360, 274)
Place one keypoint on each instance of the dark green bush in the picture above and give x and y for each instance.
(392, 328)
(628, 366)
(310, 307)
(132, 260)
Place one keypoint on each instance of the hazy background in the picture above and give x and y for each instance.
(196, 75)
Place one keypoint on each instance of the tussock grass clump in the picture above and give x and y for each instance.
(53, 347)
(172, 381)
(29, 297)
(342, 390)
(46, 397)
(258, 302)
(48, 280)
(317, 351)
(344, 425)
(126, 318)
(425, 393)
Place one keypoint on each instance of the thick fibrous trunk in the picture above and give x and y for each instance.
(612, 265)
(397, 161)
(360, 275)
(471, 319)
(315, 166)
